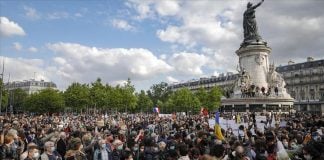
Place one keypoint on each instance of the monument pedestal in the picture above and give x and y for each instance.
(259, 87)
(265, 104)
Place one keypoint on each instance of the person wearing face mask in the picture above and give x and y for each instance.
(25, 154)
(293, 145)
(33, 153)
(136, 151)
(118, 148)
(6, 150)
(101, 153)
(50, 152)
(285, 143)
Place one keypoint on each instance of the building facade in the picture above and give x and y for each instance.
(225, 81)
(304, 82)
(29, 86)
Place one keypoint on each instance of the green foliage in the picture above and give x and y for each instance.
(144, 102)
(77, 96)
(183, 100)
(98, 94)
(128, 97)
(120, 98)
(202, 95)
(18, 98)
(159, 92)
(4, 98)
(47, 100)
(214, 98)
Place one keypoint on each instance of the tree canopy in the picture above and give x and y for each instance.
(123, 98)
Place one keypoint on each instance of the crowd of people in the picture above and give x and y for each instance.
(154, 137)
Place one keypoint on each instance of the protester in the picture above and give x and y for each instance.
(152, 137)
(50, 152)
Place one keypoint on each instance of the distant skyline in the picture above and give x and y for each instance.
(148, 41)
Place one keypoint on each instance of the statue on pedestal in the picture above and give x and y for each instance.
(251, 35)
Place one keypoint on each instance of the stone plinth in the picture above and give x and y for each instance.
(254, 59)
(264, 104)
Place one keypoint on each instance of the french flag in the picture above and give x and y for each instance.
(156, 110)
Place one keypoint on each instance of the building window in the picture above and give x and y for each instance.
(302, 95)
(312, 94)
(321, 94)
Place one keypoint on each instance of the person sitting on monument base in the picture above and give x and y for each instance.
(269, 91)
(263, 90)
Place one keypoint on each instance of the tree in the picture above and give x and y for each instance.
(183, 100)
(214, 98)
(202, 95)
(98, 94)
(47, 100)
(77, 96)
(159, 92)
(128, 95)
(4, 98)
(18, 98)
(144, 102)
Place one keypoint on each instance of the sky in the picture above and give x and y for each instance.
(148, 41)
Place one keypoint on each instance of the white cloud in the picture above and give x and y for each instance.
(143, 8)
(31, 13)
(32, 49)
(122, 24)
(163, 56)
(188, 63)
(17, 46)
(23, 69)
(167, 8)
(171, 79)
(291, 31)
(83, 63)
(9, 28)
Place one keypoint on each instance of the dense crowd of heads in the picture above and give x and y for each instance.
(152, 137)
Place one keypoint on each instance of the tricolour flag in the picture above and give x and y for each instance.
(156, 110)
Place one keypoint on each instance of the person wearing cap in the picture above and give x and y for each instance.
(50, 152)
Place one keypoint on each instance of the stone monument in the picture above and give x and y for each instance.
(259, 87)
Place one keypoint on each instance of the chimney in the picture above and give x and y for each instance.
(309, 59)
(290, 62)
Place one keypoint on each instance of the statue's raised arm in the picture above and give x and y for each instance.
(257, 5)
(251, 34)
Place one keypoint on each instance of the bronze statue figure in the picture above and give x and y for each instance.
(249, 24)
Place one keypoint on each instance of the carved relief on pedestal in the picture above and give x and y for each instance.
(259, 59)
